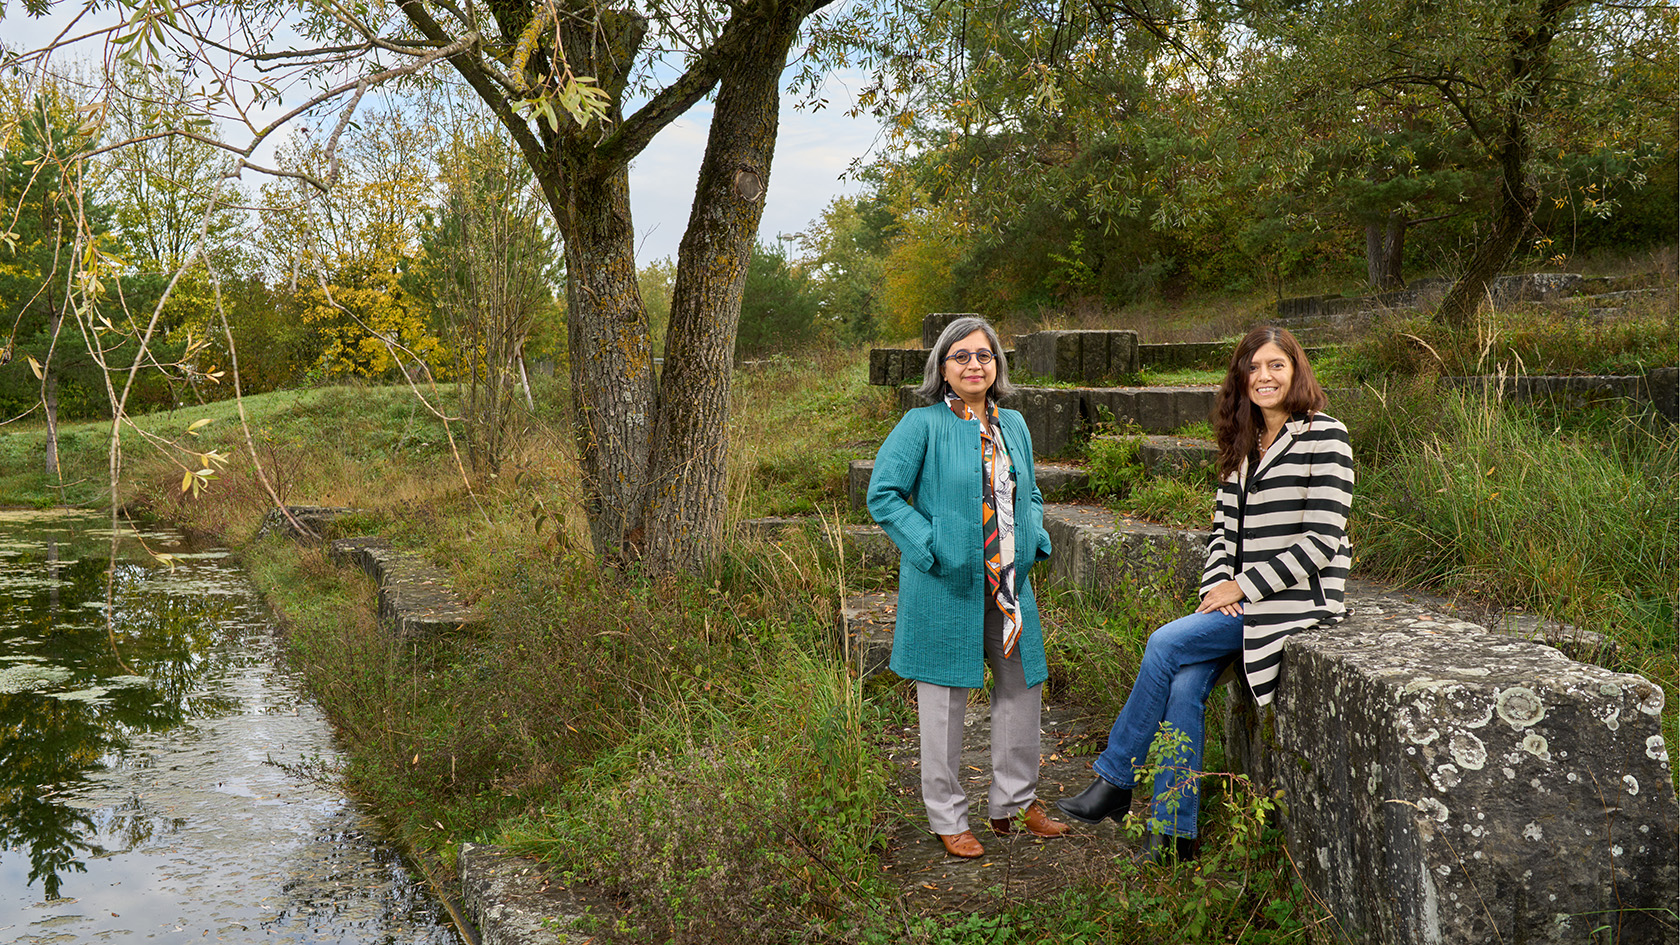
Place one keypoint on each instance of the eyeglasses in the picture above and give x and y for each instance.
(961, 357)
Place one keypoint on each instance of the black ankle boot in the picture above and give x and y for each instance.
(1182, 849)
(1099, 801)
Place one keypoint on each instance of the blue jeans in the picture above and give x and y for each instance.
(1180, 665)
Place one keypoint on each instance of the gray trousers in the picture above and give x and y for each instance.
(1015, 748)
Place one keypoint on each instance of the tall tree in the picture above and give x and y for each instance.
(581, 88)
(1526, 81)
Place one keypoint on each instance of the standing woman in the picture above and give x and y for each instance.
(1276, 564)
(954, 489)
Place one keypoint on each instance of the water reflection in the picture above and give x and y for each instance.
(134, 759)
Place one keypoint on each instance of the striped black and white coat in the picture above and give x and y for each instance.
(1294, 545)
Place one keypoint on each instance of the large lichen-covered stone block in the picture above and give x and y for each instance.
(1446, 784)
(301, 522)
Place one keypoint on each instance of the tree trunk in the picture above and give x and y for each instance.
(1517, 195)
(1385, 249)
(611, 356)
(688, 456)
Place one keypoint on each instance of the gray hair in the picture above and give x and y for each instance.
(933, 377)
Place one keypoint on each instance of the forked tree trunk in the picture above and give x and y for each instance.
(688, 458)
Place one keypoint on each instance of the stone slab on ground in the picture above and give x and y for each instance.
(312, 519)
(1452, 785)
(514, 901)
(1052, 477)
(416, 598)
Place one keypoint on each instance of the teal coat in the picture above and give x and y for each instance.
(925, 493)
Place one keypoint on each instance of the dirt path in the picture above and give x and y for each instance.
(1017, 866)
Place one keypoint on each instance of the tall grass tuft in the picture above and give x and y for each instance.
(1572, 519)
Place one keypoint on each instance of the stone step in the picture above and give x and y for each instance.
(1052, 478)
(416, 598)
(1054, 414)
(1094, 548)
(307, 523)
(1098, 550)
(1166, 455)
(891, 367)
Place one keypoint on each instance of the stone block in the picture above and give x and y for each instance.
(1155, 409)
(771, 528)
(934, 323)
(1093, 357)
(1100, 551)
(1174, 357)
(1654, 389)
(1176, 455)
(365, 553)
(1308, 306)
(1122, 353)
(1107, 404)
(908, 399)
(881, 367)
(865, 631)
(514, 901)
(1056, 477)
(1534, 287)
(1662, 391)
(1193, 404)
(1446, 784)
(1051, 415)
(1067, 357)
(304, 523)
(868, 546)
(857, 482)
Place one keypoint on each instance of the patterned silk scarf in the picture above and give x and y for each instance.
(997, 518)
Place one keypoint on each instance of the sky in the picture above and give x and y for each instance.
(813, 151)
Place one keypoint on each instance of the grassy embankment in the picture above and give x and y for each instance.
(691, 750)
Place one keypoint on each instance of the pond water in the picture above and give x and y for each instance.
(148, 768)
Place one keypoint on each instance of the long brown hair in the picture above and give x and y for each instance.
(1236, 420)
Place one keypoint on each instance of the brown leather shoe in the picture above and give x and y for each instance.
(1036, 819)
(964, 844)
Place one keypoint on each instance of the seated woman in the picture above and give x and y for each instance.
(1276, 564)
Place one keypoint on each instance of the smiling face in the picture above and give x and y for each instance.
(1270, 376)
(971, 380)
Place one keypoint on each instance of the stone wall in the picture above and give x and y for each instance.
(1079, 356)
(1446, 784)
(1657, 389)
